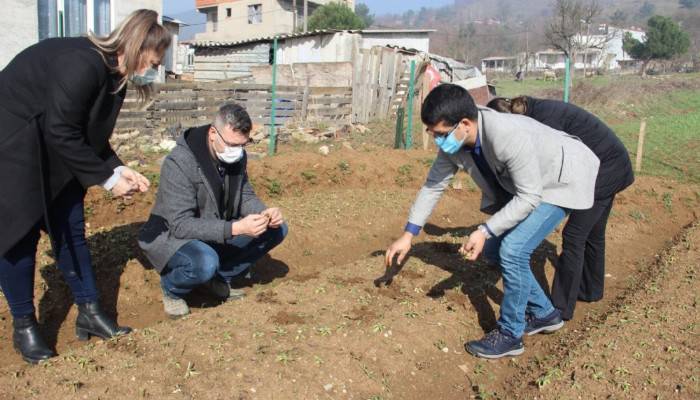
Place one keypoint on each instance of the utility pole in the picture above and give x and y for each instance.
(527, 49)
(306, 16)
(294, 13)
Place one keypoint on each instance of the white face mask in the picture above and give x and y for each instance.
(146, 78)
(231, 154)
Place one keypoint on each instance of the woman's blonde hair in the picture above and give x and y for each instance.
(138, 33)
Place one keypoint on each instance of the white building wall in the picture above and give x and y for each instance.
(321, 48)
(20, 28)
(122, 8)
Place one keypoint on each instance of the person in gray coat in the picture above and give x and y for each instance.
(530, 175)
(207, 225)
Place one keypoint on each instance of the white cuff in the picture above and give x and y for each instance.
(109, 183)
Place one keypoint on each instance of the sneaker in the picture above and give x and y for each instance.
(551, 323)
(496, 344)
(216, 287)
(174, 307)
(222, 290)
(235, 294)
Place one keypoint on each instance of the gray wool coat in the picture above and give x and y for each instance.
(189, 204)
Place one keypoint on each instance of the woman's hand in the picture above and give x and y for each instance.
(124, 188)
(139, 181)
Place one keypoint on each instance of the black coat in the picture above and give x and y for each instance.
(615, 172)
(57, 112)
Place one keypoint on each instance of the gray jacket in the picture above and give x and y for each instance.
(531, 161)
(190, 201)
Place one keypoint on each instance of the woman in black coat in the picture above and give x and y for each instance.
(580, 270)
(59, 100)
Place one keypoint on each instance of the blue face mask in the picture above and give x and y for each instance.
(448, 143)
(146, 78)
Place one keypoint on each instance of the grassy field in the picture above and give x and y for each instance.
(670, 104)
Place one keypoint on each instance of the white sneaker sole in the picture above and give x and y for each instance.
(511, 353)
(547, 329)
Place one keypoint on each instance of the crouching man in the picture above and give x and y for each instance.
(530, 176)
(207, 225)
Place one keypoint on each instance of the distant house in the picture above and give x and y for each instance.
(603, 50)
(237, 20)
(499, 64)
(218, 60)
(27, 22)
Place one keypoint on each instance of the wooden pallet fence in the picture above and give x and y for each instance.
(377, 75)
(193, 104)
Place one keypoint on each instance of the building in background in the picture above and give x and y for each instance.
(170, 59)
(28, 21)
(237, 20)
(223, 59)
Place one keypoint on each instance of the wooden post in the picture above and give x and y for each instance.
(425, 87)
(272, 146)
(305, 100)
(567, 80)
(306, 16)
(640, 145)
(398, 138)
(411, 90)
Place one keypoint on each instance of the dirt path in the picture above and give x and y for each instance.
(646, 347)
(314, 325)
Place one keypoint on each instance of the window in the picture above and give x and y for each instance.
(75, 17)
(255, 14)
(228, 12)
(213, 18)
(48, 19)
(58, 18)
(101, 15)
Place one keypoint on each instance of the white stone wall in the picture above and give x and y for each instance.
(20, 28)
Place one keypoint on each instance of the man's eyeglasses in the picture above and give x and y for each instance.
(442, 134)
(249, 141)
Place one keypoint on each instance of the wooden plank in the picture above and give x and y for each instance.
(376, 65)
(364, 90)
(356, 79)
(176, 115)
(331, 111)
(333, 91)
(330, 100)
(305, 99)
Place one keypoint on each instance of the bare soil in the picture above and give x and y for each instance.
(324, 319)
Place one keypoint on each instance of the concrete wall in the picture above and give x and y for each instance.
(277, 18)
(20, 28)
(320, 48)
(218, 63)
(337, 74)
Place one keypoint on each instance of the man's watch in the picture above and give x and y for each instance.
(483, 229)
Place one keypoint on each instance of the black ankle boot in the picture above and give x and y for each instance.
(92, 321)
(28, 341)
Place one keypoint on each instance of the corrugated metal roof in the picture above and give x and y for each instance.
(226, 43)
(497, 58)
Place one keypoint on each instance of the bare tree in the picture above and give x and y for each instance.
(564, 31)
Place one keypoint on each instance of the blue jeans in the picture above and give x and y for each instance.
(197, 262)
(17, 266)
(512, 250)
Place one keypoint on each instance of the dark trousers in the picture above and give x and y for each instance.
(580, 270)
(197, 262)
(17, 266)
